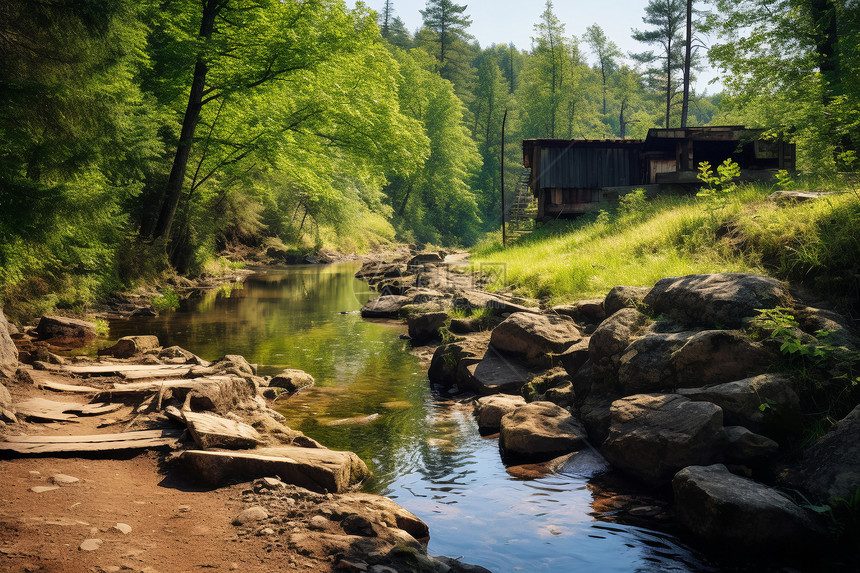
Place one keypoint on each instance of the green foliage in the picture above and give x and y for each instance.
(168, 300)
(720, 185)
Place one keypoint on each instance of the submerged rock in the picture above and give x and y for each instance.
(652, 436)
(729, 510)
(540, 431)
(292, 380)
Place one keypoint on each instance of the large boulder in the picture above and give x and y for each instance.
(830, 468)
(292, 380)
(425, 258)
(624, 297)
(718, 356)
(384, 306)
(722, 300)
(8, 351)
(837, 327)
(449, 364)
(733, 511)
(575, 357)
(128, 346)
(532, 337)
(540, 431)
(611, 338)
(747, 448)
(495, 374)
(752, 402)
(66, 331)
(645, 366)
(652, 436)
(490, 410)
(471, 300)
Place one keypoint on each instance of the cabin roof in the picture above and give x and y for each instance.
(530, 144)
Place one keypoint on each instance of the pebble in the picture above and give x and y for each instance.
(256, 513)
(318, 522)
(90, 544)
(123, 528)
(266, 531)
(63, 479)
(44, 488)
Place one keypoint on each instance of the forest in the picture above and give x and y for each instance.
(143, 135)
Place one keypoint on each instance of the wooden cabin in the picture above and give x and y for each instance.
(570, 177)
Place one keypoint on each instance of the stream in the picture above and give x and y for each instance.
(425, 451)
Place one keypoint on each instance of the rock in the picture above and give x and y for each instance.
(747, 448)
(8, 352)
(128, 346)
(425, 327)
(292, 380)
(583, 311)
(611, 338)
(645, 365)
(596, 414)
(457, 566)
(384, 307)
(532, 337)
(211, 432)
(5, 399)
(495, 374)
(66, 331)
(44, 488)
(490, 410)
(449, 364)
(63, 479)
(540, 431)
(653, 436)
(733, 511)
(624, 297)
(357, 525)
(251, 515)
(90, 544)
(476, 300)
(575, 356)
(373, 272)
(813, 320)
(424, 258)
(234, 364)
(723, 300)
(312, 468)
(830, 468)
(751, 402)
(177, 353)
(718, 356)
(123, 528)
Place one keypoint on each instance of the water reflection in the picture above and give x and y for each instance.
(426, 453)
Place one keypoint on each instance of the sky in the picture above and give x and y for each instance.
(504, 21)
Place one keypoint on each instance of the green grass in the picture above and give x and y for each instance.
(636, 244)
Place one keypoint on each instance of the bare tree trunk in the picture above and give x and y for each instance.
(688, 58)
(173, 190)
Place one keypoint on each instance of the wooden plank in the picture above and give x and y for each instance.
(147, 439)
(113, 369)
(42, 409)
(49, 381)
(95, 438)
(156, 385)
(70, 388)
(166, 372)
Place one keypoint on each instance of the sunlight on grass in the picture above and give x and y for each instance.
(674, 236)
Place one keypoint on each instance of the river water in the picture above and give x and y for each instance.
(425, 452)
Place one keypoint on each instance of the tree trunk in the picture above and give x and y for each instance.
(173, 190)
(688, 58)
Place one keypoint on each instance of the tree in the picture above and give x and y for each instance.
(607, 53)
(667, 19)
(386, 18)
(448, 22)
(550, 72)
(792, 66)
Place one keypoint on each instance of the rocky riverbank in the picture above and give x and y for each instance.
(153, 459)
(707, 387)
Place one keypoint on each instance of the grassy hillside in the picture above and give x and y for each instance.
(815, 244)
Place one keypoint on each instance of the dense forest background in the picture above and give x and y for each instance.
(141, 135)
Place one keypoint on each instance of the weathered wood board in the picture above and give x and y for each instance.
(142, 388)
(211, 431)
(145, 439)
(50, 381)
(116, 369)
(43, 409)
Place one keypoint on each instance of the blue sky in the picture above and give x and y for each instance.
(503, 21)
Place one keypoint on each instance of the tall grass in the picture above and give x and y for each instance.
(637, 243)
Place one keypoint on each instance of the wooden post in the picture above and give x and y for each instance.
(504, 235)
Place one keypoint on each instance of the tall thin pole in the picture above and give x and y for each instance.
(504, 235)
